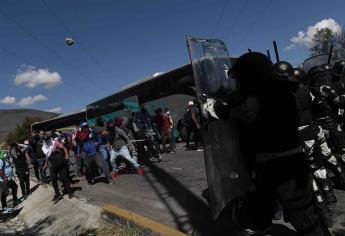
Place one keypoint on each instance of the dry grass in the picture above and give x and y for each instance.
(117, 228)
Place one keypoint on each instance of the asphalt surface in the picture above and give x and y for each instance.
(170, 193)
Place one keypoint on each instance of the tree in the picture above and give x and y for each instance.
(22, 131)
(324, 38)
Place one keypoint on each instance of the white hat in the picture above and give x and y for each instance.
(190, 103)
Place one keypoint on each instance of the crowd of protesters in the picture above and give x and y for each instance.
(108, 147)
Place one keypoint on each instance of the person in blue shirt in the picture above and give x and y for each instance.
(89, 142)
(6, 180)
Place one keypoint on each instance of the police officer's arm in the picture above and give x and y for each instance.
(223, 106)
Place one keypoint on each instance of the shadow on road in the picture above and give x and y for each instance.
(198, 212)
(34, 188)
(38, 227)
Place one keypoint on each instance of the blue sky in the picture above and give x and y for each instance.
(118, 42)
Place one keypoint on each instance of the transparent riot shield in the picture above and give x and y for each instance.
(315, 61)
(227, 175)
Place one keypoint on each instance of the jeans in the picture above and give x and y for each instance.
(96, 159)
(13, 186)
(24, 180)
(34, 163)
(79, 164)
(103, 150)
(61, 173)
(40, 165)
(192, 129)
(122, 152)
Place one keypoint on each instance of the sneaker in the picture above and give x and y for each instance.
(140, 171)
(70, 195)
(114, 175)
(6, 210)
(199, 149)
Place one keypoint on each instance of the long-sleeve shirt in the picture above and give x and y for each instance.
(51, 146)
(118, 138)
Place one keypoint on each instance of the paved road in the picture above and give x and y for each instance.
(170, 193)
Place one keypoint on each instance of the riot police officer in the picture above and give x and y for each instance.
(325, 107)
(316, 149)
(267, 111)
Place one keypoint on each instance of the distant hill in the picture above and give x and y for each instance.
(9, 119)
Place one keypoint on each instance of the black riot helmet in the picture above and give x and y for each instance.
(300, 75)
(338, 70)
(284, 70)
(251, 70)
(320, 75)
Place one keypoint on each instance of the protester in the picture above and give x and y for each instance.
(57, 159)
(162, 121)
(144, 136)
(20, 161)
(33, 158)
(101, 130)
(7, 181)
(172, 124)
(89, 141)
(119, 141)
(192, 120)
(36, 143)
(78, 153)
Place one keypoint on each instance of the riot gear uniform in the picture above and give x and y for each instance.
(284, 70)
(315, 149)
(338, 76)
(300, 75)
(274, 146)
(325, 106)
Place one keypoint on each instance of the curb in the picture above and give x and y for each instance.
(156, 228)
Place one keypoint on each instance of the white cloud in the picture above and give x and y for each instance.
(32, 77)
(306, 38)
(28, 101)
(8, 100)
(55, 110)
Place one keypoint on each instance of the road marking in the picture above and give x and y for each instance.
(141, 221)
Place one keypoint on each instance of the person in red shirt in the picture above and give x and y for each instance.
(163, 124)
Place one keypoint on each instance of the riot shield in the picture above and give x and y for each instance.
(227, 176)
(315, 61)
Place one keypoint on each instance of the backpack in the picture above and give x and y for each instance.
(57, 159)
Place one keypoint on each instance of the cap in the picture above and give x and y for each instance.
(83, 124)
(190, 103)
